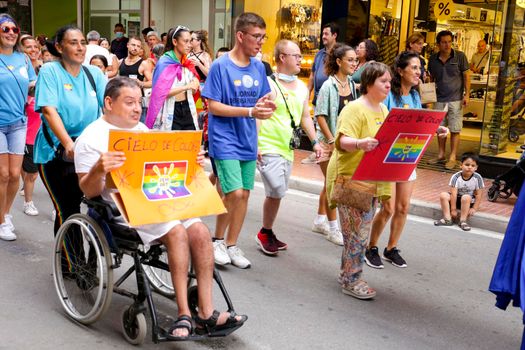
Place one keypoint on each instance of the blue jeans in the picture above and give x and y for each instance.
(13, 138)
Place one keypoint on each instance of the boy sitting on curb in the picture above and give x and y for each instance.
(466, 188)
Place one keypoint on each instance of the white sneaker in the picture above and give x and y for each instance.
(336, 237)
(30, 209)
(5, 233)
(8, 218)
(321, 228)
(237, 257)
(220, 254)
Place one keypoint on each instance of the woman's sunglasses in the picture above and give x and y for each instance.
(6, 30)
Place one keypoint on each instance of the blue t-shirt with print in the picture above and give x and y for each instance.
(13, 94)
(412, 100)
(234, 138)
(74, 99)
(318, 71)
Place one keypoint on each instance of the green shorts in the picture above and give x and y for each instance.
(235, 174)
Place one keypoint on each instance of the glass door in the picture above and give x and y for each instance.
(104, 14)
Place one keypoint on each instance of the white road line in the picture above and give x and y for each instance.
(418, 219)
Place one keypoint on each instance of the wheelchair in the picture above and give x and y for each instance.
(88, 247)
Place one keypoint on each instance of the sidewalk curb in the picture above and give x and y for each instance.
(418, 207)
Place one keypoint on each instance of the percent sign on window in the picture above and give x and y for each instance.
(443, 9)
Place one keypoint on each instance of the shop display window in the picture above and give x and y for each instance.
(20, 10)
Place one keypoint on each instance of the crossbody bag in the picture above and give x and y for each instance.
(295, 140)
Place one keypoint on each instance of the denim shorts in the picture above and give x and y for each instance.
(13, 138)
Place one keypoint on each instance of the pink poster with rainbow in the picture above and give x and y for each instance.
(403, 138)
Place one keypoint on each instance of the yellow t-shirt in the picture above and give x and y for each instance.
(356, 120)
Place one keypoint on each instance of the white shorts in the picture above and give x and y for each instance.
(149, 234)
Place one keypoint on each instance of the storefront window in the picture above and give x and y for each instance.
(20, 10)
(504, 123)
(106, 13)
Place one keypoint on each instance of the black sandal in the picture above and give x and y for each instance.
(211, 327)
(183, 321)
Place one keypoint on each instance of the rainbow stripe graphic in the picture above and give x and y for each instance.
(165, 180)
(407, 148)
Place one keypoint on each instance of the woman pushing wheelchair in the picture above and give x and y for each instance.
(122, 107)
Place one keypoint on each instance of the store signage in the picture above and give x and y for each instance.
(443, 9)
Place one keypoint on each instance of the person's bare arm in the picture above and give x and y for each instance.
(147, 71)
(453, 197)
(325, 129)
(57, 127)
(263, 109)
(479, 196)
(308, 126)
(310, 84)
(193, 85)
(92, 183)
(351, 144)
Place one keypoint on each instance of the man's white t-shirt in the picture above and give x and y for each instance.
(89, 146)
(94, 49)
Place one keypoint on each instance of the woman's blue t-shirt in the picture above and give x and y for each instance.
(412, 100)
(234, 138)
(16, 72)
(74, 99)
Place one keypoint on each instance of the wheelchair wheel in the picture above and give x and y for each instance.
(193, 300)
(82, 269)
(134, 329)
(493, 193)
(160, 279)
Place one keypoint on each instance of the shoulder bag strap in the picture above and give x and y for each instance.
(292, 122)
(90, 77)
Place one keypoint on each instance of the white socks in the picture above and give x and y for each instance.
(319, 219)
(333, 225)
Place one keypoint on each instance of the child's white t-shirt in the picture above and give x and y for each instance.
(466, 186)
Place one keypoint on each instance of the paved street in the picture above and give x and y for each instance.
(294, 302)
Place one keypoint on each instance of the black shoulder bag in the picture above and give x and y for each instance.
(295, 140)
(59, 150)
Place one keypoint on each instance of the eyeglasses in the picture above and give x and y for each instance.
(257, 37)
(178, 29)
(296, 55)
(6, 30)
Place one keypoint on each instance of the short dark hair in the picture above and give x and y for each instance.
(442, 34)
(163, 35)
(119, 25)
(223, 49)
(57, 39)
(334, 28)
(372, 51)
(116, 84)
(469, 155)
(247, 19)
(102, 59)
(371, 72)
(338, 52)
(146, 30)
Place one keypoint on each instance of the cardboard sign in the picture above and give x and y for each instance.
(403, 138)
(161, 180)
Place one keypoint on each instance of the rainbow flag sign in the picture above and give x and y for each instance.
(160, 180)
(407, 148)
(165, 180)
(403, 138)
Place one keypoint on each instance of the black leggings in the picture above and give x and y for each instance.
(182, 118)
(61, 183)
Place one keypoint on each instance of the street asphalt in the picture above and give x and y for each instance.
(293, 300)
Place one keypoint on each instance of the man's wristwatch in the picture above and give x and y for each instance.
(314, 142)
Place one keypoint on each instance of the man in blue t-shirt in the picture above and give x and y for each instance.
(317, 75)
(237, 90)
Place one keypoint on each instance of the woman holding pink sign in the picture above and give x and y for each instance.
(404, 94)
(358, 122)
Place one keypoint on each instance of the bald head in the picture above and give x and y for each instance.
(482, 46)
(287, 57)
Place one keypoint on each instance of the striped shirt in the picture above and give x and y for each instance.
(466, 186)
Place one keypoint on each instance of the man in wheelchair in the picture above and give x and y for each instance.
(122, 110)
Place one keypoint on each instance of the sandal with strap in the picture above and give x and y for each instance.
(359, 290)
(209, 326)
(443, 222)
(464, 226)
(183, 321)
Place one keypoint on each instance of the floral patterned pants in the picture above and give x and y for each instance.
(355, 226)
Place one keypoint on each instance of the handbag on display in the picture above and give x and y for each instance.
(351, 193)
(427, 92)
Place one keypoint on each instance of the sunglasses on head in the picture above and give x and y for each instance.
(6, 30)
(178, 29)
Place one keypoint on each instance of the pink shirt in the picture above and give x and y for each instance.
(33, 121)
